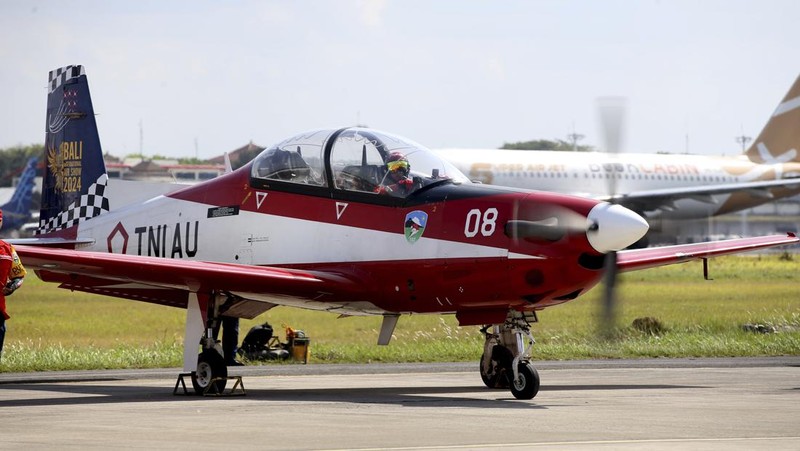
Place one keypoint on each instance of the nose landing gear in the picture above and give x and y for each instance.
(505, 362)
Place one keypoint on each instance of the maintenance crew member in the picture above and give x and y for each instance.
(12, 273)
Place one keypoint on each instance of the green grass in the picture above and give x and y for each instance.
(53, 329)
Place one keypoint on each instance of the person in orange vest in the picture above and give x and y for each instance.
(12, 273)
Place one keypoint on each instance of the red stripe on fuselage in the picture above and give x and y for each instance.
(460, 218)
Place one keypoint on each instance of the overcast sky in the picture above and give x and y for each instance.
(210, 76)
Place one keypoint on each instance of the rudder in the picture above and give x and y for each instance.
(17, 211)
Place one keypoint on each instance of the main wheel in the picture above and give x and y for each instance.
(210, 365)
(526, 385)
(499, 365)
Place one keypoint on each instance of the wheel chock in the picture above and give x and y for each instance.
(210, 390)
(232, 392)
(180, 382)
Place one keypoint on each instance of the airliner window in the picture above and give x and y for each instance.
(296, 160)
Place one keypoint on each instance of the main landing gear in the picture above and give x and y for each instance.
(505, 362)
(211, 374)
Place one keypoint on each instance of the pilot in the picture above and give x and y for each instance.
(397, 181)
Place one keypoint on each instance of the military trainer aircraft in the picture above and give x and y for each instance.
(17, 211)
(313, 222)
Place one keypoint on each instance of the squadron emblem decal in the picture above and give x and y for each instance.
(415, 225)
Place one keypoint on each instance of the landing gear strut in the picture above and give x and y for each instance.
(211, 374)
(505, 362)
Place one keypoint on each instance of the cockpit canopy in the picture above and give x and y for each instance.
(354, 159)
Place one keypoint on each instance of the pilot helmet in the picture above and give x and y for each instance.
(398, 163)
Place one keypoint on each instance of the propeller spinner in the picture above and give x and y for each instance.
(608, 227)
(614, 227)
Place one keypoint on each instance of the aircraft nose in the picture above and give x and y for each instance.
(614, 227)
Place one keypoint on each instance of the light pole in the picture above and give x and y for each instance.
(574, 137)
(743, 140)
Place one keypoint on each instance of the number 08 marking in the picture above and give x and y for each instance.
(480, 222)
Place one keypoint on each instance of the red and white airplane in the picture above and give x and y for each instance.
(307, 224)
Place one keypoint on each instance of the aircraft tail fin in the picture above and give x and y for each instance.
(17, 211)
(75, 179)
(779, 141)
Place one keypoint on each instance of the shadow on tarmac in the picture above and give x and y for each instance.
(72, 394)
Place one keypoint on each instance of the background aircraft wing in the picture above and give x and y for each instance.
(169, 281)
(634, 259)
(649, 200)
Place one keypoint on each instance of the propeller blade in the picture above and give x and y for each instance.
(546, 230)
(608, 318)
(612, 112)
(550, 223)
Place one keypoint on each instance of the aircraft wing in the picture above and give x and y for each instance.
(653, 199)
(635, 259)
(168, 282)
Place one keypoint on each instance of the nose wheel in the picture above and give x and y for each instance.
(526, 382)
(505, 362)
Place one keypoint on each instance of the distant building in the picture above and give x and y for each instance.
(241, 156)
(162, 171)
(157, 170)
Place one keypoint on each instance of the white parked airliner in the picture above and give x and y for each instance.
(657, 185)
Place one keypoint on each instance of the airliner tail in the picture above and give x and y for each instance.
(779, 141)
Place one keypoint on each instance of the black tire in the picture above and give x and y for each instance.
(210, 365)
(489, 379)
(526, 386)
(499, 365)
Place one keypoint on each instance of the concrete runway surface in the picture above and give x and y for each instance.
(631, 404)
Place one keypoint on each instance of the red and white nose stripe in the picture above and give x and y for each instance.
(614, 227)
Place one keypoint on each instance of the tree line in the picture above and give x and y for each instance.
(546, 144)
(13, 159)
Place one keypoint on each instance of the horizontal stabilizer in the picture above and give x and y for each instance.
(52, 242)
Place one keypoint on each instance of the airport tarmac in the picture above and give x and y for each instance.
(640, 404)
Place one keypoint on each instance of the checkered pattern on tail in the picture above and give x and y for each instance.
(89, 205)
(59, 76)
